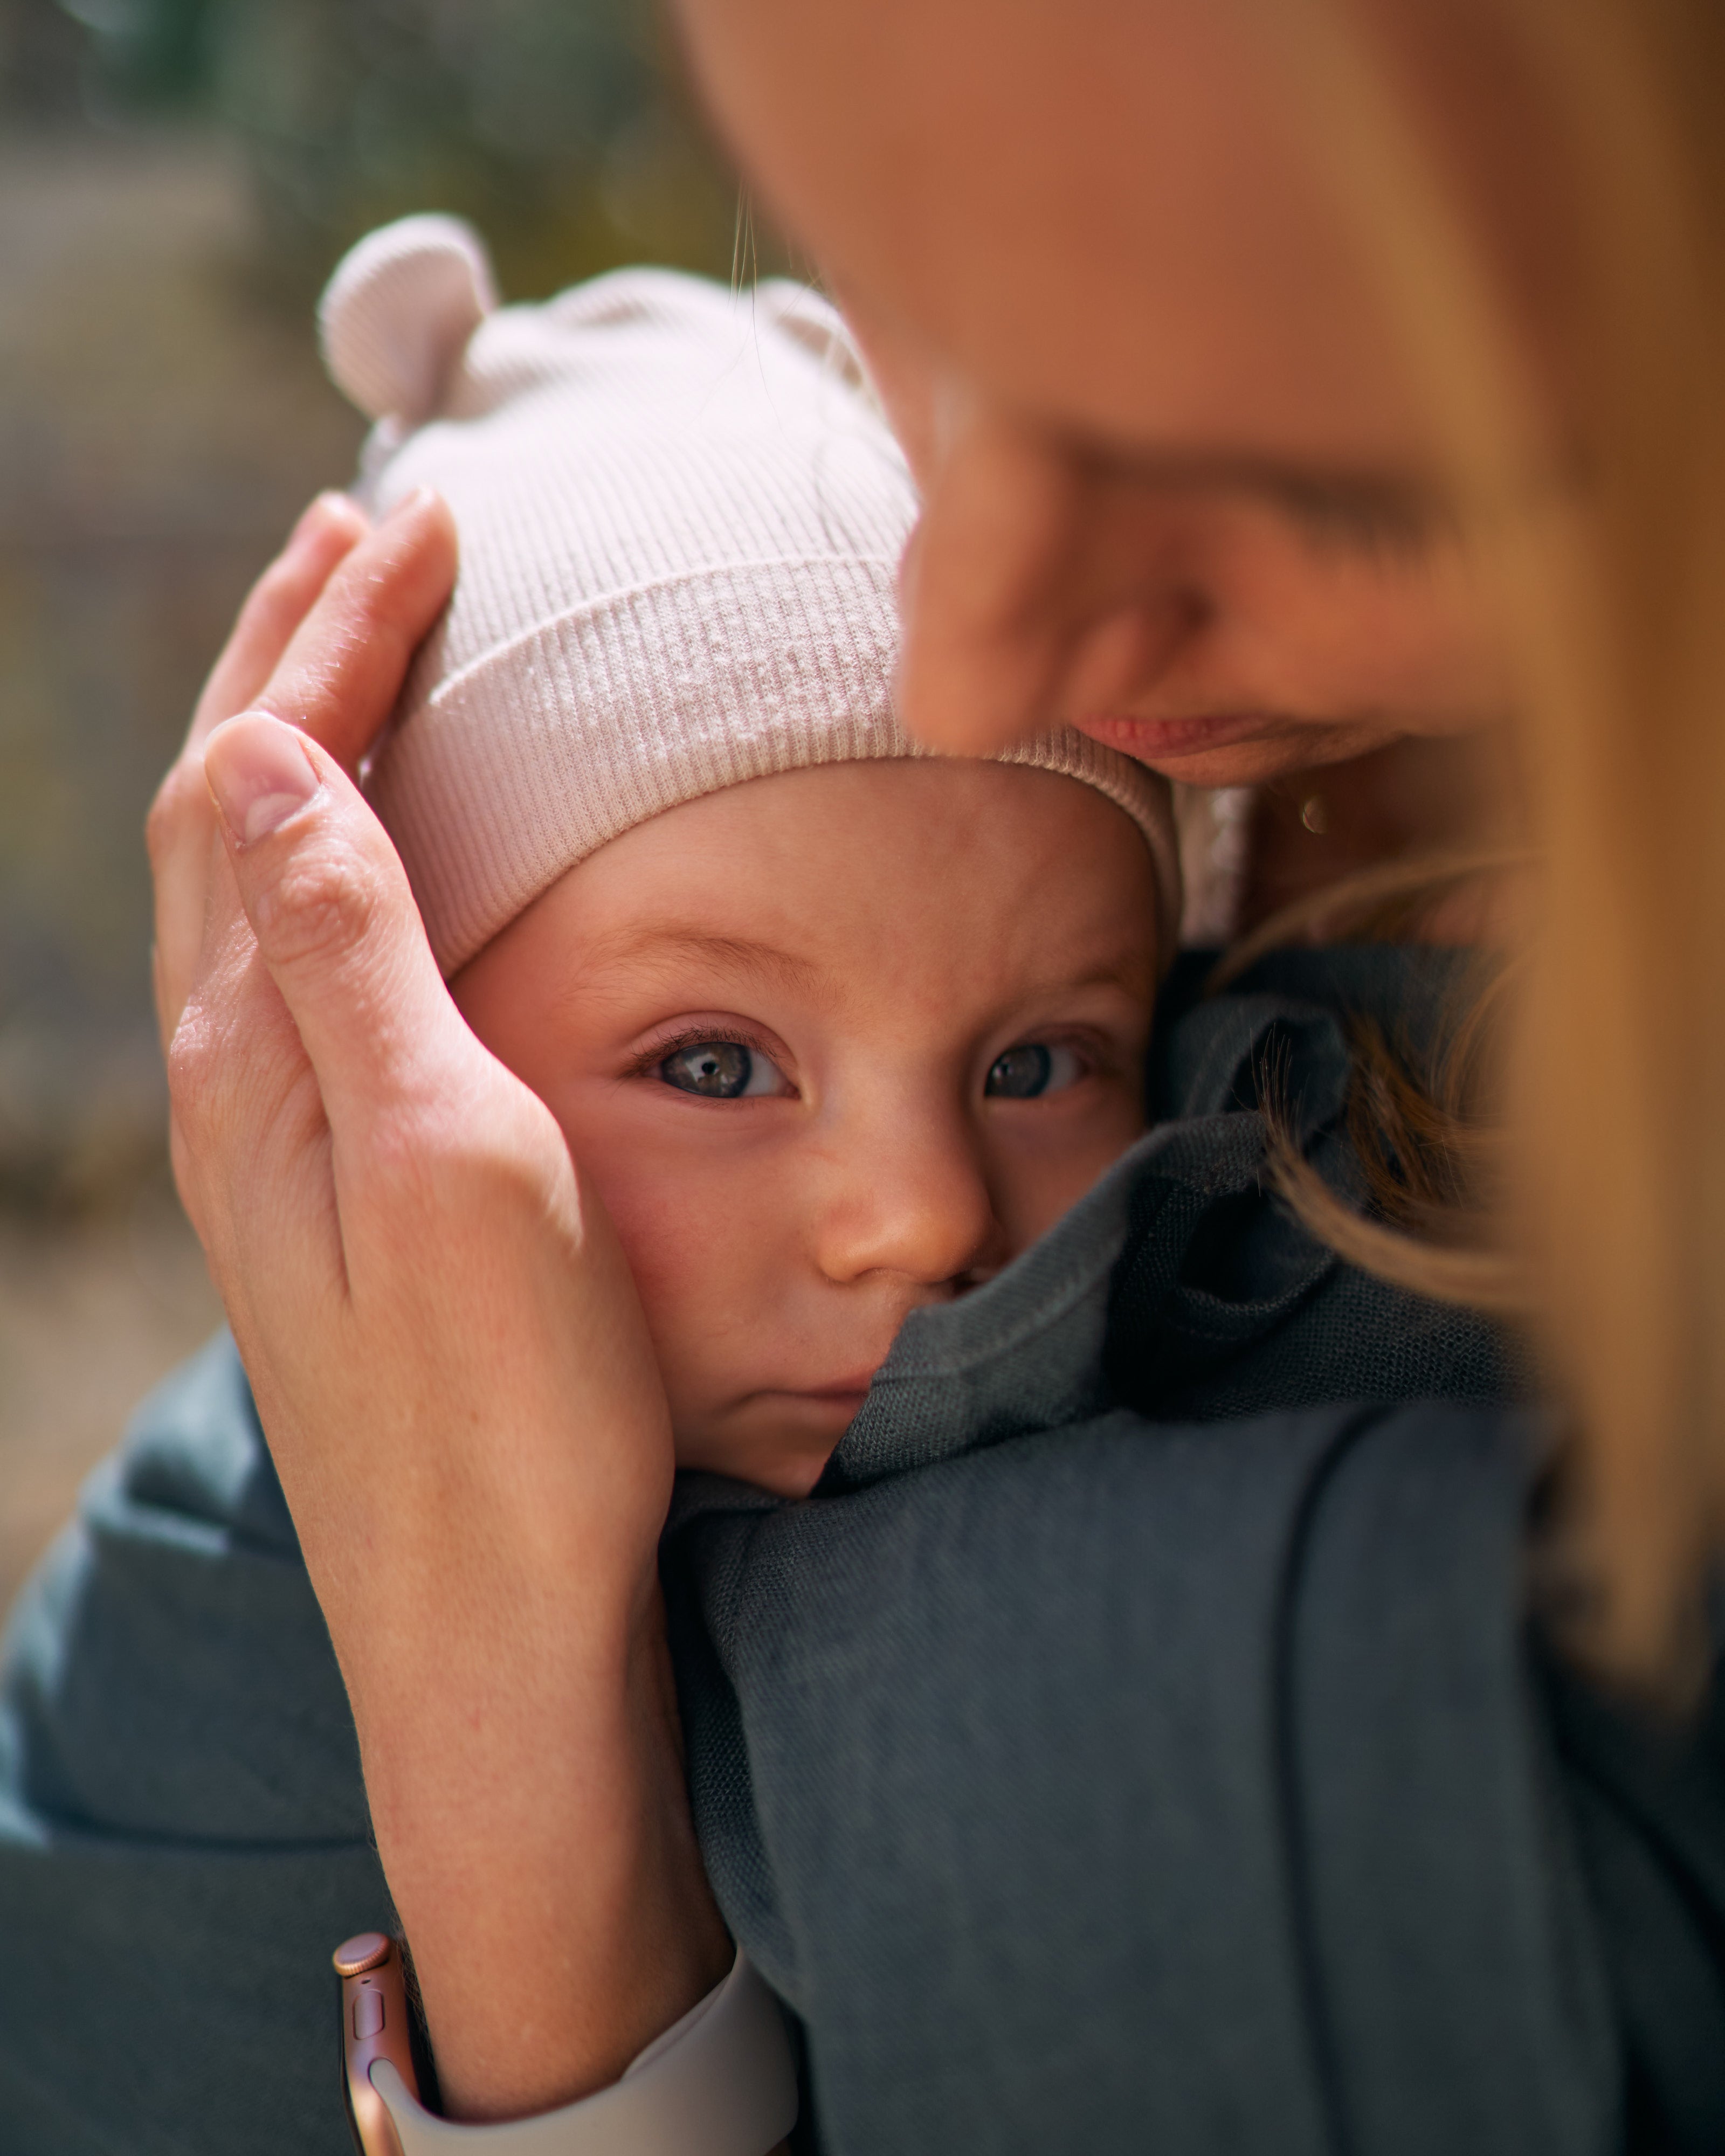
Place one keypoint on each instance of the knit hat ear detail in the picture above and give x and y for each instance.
(398, 314)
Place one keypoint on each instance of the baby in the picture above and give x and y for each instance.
(834, 1029)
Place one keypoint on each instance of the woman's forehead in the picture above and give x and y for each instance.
(1110, 213)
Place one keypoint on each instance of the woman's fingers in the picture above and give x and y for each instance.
(183, 842)
(343, 668)
(250, 1140)
(338, 676)
(277, 604)
(182, 829)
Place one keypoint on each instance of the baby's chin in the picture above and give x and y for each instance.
(778, 1441)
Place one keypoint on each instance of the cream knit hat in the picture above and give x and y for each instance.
(681, 516)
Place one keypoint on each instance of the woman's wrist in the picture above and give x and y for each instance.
(533, 1824)
(500, 1632)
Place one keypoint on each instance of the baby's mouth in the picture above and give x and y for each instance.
(835, 1406)
(849, 1392)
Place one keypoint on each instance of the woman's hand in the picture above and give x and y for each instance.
(446, 1350)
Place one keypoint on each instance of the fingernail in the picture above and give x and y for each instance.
(326, 508)
(407, 504)
(260, 774)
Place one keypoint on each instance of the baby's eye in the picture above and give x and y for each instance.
(1032, 1069)
(722, 1070)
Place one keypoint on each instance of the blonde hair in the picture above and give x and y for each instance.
(1613, 1217)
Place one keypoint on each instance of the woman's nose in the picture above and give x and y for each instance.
(910, 1200)
(1037, 589)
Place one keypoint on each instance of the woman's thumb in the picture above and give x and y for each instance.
(261, 773)
(329, 903)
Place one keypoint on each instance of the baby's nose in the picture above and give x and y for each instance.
(913, 1202)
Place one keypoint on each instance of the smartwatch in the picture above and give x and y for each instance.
(720, 2082)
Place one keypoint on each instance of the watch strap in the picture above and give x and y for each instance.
(720, 2082)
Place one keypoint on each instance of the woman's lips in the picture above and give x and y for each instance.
(1154, 741)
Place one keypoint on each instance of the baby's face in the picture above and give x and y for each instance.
(830, 1046)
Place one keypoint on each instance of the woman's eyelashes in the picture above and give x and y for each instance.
(1030, 1069)
(722, 1070)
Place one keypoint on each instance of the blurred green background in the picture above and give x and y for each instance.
(176, 179)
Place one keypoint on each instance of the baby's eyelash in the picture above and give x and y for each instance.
(650, 1059)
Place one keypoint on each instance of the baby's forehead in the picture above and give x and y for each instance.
(916, 878)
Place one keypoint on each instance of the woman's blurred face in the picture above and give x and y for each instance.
(1176, 490)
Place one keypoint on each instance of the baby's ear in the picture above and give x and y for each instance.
(395, 318)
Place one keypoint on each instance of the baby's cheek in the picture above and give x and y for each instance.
(1039, 1183)
(686, 1230)
(666, 1232)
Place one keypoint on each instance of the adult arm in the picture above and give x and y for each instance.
(446, 1351)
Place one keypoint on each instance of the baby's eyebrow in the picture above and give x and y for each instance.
(663, 944)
